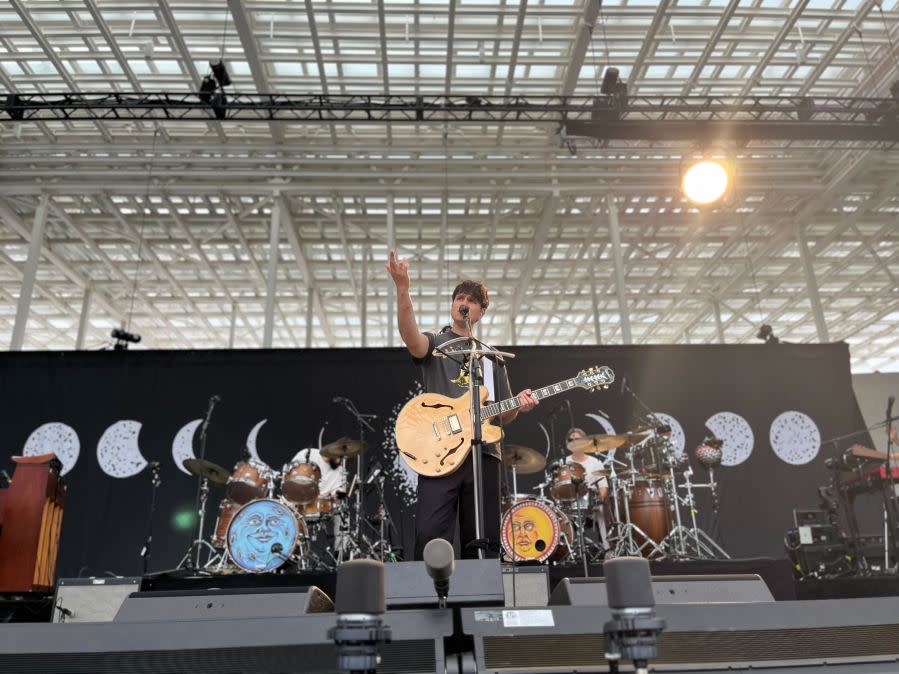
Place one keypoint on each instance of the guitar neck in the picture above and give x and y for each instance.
(503, 406)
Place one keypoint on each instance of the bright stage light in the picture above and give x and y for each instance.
(705, 182)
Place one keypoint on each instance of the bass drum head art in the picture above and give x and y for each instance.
(262, 534)
(530, 531)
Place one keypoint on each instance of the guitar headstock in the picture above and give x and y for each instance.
(597, 377)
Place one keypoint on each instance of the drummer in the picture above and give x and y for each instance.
(594, 470)
(333, 478)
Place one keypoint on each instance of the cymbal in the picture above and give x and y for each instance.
(525, 459)
(211, 471)
(593, 444)
(343, 448)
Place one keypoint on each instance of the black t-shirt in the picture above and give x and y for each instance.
(438, 374)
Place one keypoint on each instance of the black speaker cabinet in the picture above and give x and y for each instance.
(668, 590)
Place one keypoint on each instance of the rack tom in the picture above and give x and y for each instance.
(568, 481)
(300, 484)
(250, 480)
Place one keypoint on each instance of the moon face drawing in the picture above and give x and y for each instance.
(118, 452)
(56, 437)
(183, 444)
(678, 440)
(737, 435)
(795, 438)
(251, 440)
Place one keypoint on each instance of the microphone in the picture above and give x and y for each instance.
(212, 401)
(632, 633)
(361, 601)
(376, 471)
(463, 311)
(339, 399)
(278, 551)
(890, 401)
(440, 564)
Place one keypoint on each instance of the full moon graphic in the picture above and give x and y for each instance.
(56, 437)
(795, 438)
(737, 435)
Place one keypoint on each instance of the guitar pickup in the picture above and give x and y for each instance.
(454, 425)
(436, 431)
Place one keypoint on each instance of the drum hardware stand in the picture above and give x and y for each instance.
(703, 545)
(155, 481)
(202, 496)
(581, 547)
(385, 550)
(475, 381)
(626, 544)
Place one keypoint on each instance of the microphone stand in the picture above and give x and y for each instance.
(474, 389)
(889, 494)
(362, 420)
(155, 481)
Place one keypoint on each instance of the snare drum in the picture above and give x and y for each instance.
(263, 533)
(300, 482)
(250, 480)
(562, 487)
(227, 508)
(535, 531)
(321, 508)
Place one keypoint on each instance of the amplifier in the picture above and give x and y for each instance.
(818, 560)
(91, 600)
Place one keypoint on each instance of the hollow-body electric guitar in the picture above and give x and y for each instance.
(434, 432)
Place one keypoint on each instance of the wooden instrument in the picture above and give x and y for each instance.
(434, 432)
(32, 520)
(862, 452)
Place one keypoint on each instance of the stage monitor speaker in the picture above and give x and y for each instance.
(224, 604)
(526, 585)
(475, 582)
(701, 589)
(91, 600)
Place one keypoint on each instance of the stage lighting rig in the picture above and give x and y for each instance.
(766, 334)
(707, 177)
(123, 338)
(220, 73)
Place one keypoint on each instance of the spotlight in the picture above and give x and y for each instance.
(766, 334)
(221, 75)
(609, 82)
(207, 88)
(12, 107)
(123, 338)
(706, 181)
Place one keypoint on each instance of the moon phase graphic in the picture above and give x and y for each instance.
(678, 439)
(183, 444)
(404, 479)
(737, 435)
(795, 438)
(118, 452)
(251, 440)
(56, 437)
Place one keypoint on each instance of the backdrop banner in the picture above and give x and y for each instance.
(109, 414)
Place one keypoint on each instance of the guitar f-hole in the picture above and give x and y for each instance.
(452, 450)
(436, 406)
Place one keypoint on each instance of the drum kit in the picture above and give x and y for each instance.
(625, 500)
(272, 520)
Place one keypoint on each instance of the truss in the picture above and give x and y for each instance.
(150, 205)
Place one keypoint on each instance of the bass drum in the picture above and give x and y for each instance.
(263, 533)
(534, 531)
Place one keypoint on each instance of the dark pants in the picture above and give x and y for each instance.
(440, 497)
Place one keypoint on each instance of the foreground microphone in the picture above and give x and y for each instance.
(632, 633)
(360, 604)
(440, 564)
(463, 311)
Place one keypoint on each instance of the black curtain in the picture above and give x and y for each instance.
(106, 517)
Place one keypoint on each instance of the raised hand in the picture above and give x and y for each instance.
(399, 270)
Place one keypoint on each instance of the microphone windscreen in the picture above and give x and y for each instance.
(439, 559)
(628, 583)
(360, 587)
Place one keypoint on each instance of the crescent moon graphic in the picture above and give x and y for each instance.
(678, 439)
(737, 435)
(251, 440)
(56, 437)
(118, 452)
(795, 438)
(183, 444)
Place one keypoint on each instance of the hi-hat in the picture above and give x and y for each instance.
(592, 444)
(525, 459)
(211, 471)
(343, 448)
